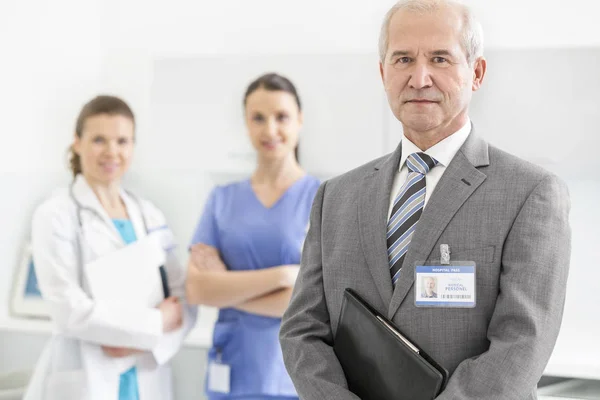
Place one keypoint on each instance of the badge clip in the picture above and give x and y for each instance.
(444, 254)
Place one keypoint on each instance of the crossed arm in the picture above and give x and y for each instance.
(264, 292)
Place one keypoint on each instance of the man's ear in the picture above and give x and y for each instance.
(479, 70)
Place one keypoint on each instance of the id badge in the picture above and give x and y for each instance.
(219, 377)
(446, 285)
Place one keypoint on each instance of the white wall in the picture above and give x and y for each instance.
(51, 62)
(239, 26)
(138, 31)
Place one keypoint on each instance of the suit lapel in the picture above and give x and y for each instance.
(372, 221)
(458, 182)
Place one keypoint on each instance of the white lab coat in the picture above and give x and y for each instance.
(73, 365)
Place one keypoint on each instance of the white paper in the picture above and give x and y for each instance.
(130, 274)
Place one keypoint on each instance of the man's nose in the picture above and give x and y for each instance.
(420, 77)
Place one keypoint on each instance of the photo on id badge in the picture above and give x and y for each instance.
(445, 285)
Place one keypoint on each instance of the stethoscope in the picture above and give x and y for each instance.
(81, 207)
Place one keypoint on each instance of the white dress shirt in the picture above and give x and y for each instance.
(443, 152)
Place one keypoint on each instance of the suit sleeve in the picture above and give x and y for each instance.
(528, 313)
(306, 336)
(74, 313)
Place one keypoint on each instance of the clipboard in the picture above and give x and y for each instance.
(131, 274)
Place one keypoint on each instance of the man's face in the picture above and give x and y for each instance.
(426, 75)
(429, 284)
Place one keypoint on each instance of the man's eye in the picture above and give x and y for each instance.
(439, 60)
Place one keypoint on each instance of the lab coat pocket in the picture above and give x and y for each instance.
(65, 385)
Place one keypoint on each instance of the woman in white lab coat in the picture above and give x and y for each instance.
(102, 349)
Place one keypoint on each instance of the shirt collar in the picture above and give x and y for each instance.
(443, 151)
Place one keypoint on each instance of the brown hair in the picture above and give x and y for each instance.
(110, 105)
(274, 82)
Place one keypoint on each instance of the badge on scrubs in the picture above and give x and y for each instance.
(219, 375)
(445, 283)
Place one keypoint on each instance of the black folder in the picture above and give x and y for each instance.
(380, 363)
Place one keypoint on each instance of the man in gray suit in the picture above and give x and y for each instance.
(370, 227)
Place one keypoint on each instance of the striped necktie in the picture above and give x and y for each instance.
(407, 209)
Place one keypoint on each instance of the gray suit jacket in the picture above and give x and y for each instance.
(507, 215)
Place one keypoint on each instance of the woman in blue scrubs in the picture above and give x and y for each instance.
(246, 249)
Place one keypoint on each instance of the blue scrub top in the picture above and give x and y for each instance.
(128, 384)
(250, 236)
